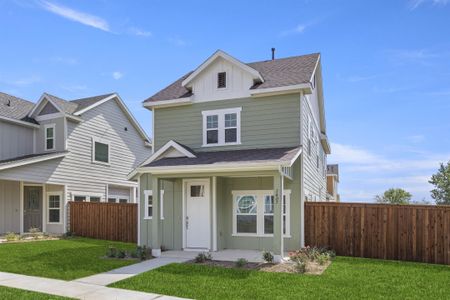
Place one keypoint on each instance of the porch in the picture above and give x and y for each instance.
(31, 205)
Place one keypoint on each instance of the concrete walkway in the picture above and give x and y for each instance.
(73, 289)
(104, 279)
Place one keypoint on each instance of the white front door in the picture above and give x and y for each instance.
(197, 214)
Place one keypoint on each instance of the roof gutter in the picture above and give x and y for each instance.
(19, 122)
(168, 103)
(32, 160)
(297, 88)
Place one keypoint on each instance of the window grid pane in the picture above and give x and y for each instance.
(231, 120)
(101, 152)
(212, 121)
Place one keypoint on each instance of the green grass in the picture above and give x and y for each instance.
(346, 278)
(61, 259)
(7, 293)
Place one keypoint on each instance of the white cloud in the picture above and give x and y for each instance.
(139, 32)
(77, 16)
(64, 60)
(299, 29)
(358, 78)
(413, 4)
(21, 82)
(117, 75)
(74, 87)
(417, 138)
(177, 41)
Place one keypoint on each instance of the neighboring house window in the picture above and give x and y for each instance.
(221, 80)
(118, 199)
(222, 127)
(148, 204)
(54, 207)
(253, 213)
(49, 136)
(100, 150)
(85, 197)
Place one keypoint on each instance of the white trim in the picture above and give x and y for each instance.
(117, 198)
(65, 133)
(61, 207)
(101, 141)
(168, 103)
(65, 208)
(124, 107)
(138, 201)
(161, 202)
(153, 130)
(24, 123)
(219, 53)
(47, 126)
(214, 213)
(21, 195)
(49, 116)
(297, 88)
(87, 195)
(260, 198)
(44, 208)
(28, 161)
(169, 144)
(43, 97)
(220, 113)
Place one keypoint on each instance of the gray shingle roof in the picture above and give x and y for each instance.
(15, 108)
(86, 102)
(29, 157)
(72, 106)
(276, 73)
(230, 156)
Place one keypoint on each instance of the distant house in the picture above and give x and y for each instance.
(332, 183)
(57, 150)
(238, 148)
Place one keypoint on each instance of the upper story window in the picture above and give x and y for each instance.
(100, 150)
(221, 80)
(49, 136)
(222, 127)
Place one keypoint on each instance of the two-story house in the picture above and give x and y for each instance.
(55, 151)
(238, 148)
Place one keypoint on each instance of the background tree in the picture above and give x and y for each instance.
(394, 196)
(441, 182)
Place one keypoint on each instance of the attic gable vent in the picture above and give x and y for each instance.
(221, 80)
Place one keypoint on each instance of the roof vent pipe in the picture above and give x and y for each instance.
(273, 53)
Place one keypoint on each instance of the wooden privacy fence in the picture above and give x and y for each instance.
(400, 232)
(107, 221)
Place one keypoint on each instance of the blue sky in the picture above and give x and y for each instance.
(386, 67)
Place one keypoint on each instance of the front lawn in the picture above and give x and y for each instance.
(62, 259)
(346, 278)
(7, 293)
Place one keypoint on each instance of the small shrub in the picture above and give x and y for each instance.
(323, 258)
(11, 236)
(300, 266)
(241, 262)
(332, 254)
(121, 254)
(143, 253)
(134, 254)
(111, 252)
(68, 234)
(202, 257)
(267, 256)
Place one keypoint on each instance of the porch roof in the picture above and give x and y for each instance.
(30, 159)
(282, 156)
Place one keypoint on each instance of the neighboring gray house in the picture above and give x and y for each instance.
(238, 149)
(56, 151)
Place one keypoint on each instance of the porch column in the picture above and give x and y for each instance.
(156, 217)
(278, 242)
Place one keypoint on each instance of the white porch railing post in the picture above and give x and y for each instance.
(278, 242)
(156, 217)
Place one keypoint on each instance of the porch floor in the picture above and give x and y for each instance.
(223, 255)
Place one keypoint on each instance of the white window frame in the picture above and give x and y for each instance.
(221, 125)
(60, 194)
(53, 126)
(87, 196)
(117, 198)
(161, 206)
(260, 205)
(102, 141)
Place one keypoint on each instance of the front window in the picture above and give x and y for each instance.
(79, 198)
(246, 214)
(100, 150)
(222, 127)
(54, 207)
(49, 137)
(254, 213)
(148, 204)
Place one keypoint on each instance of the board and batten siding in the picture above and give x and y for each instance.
(76, 170)
(267, 122)
(15, 140)
(9, 206)
(314, 178)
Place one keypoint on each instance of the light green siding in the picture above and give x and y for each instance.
(266, 122)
